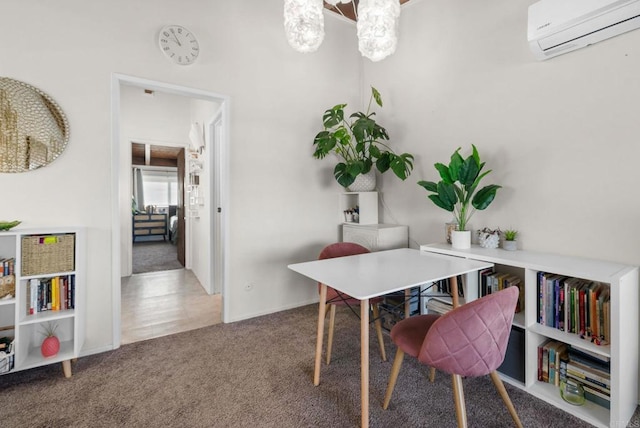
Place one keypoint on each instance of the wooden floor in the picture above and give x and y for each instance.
(161, 303)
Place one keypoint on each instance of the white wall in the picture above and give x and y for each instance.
(561, 136)
(282, 201)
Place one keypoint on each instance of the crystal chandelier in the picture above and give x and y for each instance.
(304, 24)
(376, 23)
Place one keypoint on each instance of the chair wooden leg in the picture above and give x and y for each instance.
(395, 370)
(378, 324)
(495, 377)
(432, 374)
(332, 323)
(458, 397)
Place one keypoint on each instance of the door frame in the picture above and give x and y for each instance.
(219, 192)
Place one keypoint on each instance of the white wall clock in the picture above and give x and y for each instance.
(179, 44)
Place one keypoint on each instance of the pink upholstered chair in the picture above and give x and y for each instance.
(470, 340)
(335, 298)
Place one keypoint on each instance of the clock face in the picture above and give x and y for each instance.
(179, 44)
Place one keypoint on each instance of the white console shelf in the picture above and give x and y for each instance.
(27, 328)
(623, 349)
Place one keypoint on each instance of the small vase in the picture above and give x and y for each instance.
(50, 346)
(364, 182)
(461, 239)
(510, 245)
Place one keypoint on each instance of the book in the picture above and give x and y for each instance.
(588, 375)
(590, 359)
(602, 388)
(594, 398)
(541, 297)
(514, 281)
(482, 276)
(591, 369)
(560, 351)
(543, 361)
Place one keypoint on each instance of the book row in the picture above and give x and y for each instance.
(7, 266)
(491, 281)
(574, 305)
(559, 362)
(51, 294)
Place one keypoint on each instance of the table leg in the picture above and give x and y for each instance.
(364, 361)
(453, 281)
(407, 302)
(322, 311)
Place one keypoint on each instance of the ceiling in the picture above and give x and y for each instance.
(158, 155)
(347, 8)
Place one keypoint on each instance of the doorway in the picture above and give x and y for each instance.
(206, 218)
(158, 238)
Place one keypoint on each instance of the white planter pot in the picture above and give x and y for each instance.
(461, 239)
(510, 245)
(364, 182)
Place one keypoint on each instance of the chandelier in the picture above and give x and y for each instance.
(376, 24)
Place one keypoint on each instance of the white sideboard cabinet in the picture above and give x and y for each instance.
(622, 350)
(376, 237)
(40, 257)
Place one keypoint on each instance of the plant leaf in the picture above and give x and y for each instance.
(439, 202)
(376, 96)
(324, 142)
(468, 172)
(402, 165)
(447, 193)
(429, 186)
(342, 175)
(384, 160)
(444, 172)
(485, 196)
(454, 165)
(333, 116)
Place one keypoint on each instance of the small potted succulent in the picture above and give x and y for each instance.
(510, 240)
(360, 143)
(457, 192)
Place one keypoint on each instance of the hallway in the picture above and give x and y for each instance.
(167, 302)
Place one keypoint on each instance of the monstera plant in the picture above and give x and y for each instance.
(457, 191)
(359, 142)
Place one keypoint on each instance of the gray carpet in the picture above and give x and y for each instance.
(254, 373)
(153, 256)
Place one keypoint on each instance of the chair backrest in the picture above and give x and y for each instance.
(340, 249)
(472, 339)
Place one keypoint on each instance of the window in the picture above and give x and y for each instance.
(160, 187)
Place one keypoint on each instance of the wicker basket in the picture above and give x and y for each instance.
(7, 286)
(7, 359)
(48, 254)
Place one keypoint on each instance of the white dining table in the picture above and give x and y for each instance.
(370, 275)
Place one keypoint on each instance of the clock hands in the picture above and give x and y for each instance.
(176, 38)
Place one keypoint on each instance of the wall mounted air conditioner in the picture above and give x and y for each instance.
(560, 26)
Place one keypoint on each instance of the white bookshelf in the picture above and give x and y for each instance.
(623, 349)
(27, 328)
